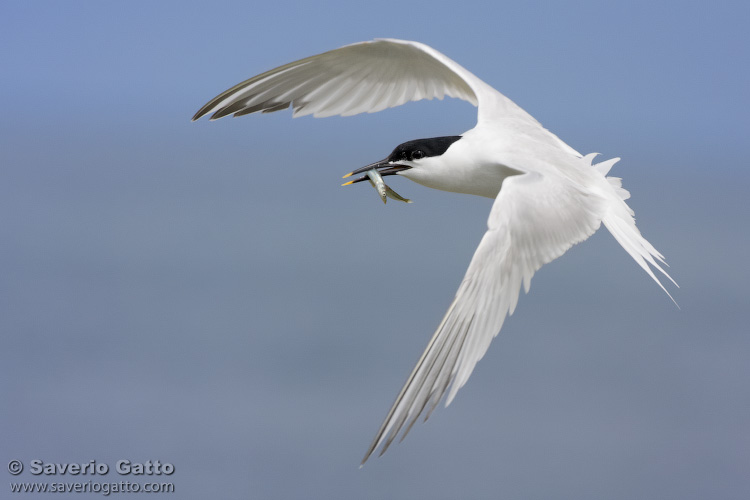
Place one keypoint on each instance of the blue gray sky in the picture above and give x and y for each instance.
(206, 294)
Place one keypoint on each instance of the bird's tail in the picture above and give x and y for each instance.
(620, 221)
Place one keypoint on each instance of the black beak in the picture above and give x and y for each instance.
(384, 167)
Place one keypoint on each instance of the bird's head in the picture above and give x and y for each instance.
(412, 154)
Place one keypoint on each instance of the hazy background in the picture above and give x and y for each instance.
(206, 294)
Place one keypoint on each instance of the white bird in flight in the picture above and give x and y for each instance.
(548, 196)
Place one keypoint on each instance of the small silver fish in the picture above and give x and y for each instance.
(382, 188)
(378, 183)
(390, 193)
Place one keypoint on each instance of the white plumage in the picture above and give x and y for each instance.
(547, 196)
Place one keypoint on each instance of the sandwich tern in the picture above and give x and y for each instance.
(548, 196)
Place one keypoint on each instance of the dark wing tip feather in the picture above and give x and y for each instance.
(277, 107)
(197, 115)
(207, 108)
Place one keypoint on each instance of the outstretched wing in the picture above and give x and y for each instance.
(357, 78)
(535, 219)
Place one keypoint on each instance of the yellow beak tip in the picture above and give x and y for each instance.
(347, 183)
(347, 175)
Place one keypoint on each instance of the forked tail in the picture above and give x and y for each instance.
(620, 222)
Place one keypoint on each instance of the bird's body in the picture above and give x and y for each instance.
(547, 196)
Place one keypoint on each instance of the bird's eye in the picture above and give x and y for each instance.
(416, 155)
